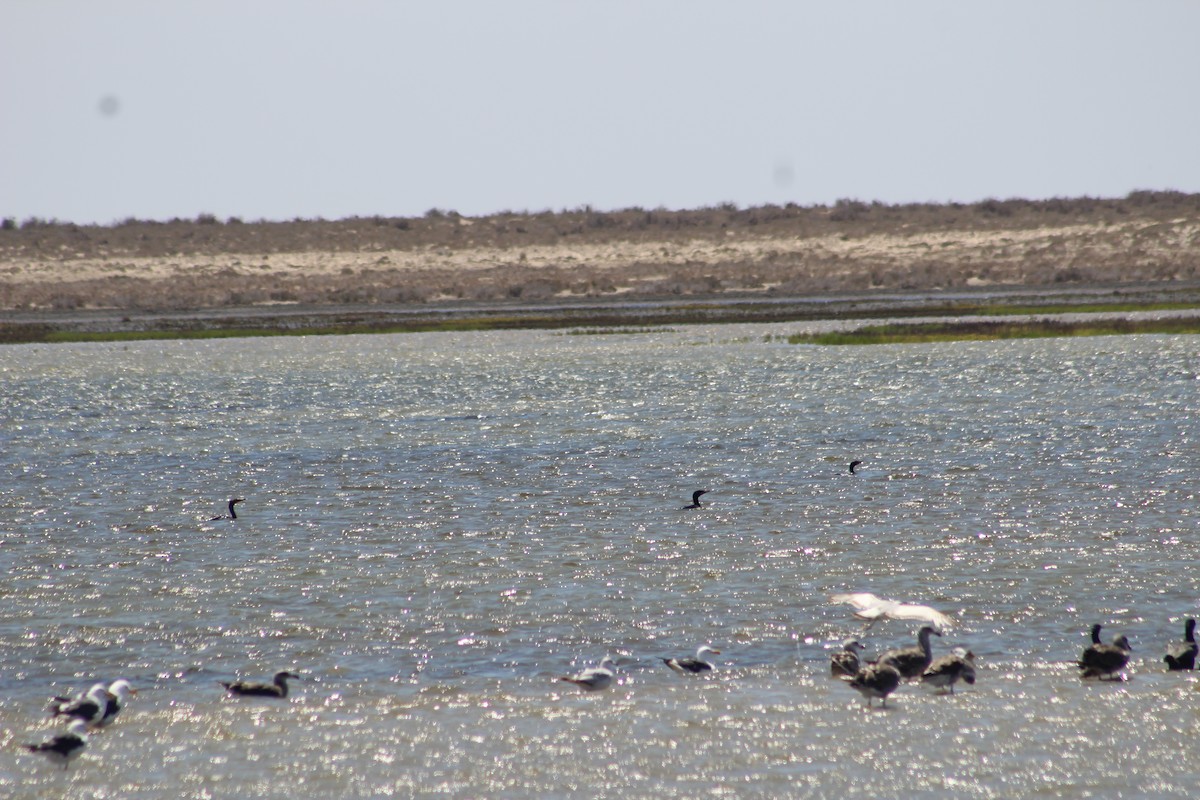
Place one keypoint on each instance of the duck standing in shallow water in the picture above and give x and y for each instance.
(945, 671)
(910, 662)
(1182, 655)
(844, 662)
(1101, 660)
(877, 680)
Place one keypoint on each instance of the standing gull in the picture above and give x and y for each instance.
(1100, 660)
(232, 511)
(877, 680)
(277, 688)
(1182, 655)
(693, 666)
(945, 671)
(65, 747)
(594, 678)
(89, 708)
(118, 695)
(910, 662)
(872, 609)
(696, 498)
(844, 662)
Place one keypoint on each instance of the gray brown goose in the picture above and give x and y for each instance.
(945, 671)
(1182, 655)
(1101, 660)
(877, 680)
(844, 662)
(910, 662)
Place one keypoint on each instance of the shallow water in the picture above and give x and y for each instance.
(437, 526)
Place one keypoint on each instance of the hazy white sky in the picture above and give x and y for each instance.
(274, 109)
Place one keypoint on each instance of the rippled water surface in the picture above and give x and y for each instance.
(437, 526)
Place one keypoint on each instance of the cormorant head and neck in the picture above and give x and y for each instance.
(853, 466)
(232, 503)
(696, 498)
(1189, 631)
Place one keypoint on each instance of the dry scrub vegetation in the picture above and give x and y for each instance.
(633, 253)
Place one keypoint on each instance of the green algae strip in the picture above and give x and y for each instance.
(652, 319)
(951, 331)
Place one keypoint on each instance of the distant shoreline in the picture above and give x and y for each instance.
(583, 267)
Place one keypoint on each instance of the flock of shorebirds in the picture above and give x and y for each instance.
(874, 679)
(99, 706)
(878, 678)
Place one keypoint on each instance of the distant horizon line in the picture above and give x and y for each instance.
(10, 222)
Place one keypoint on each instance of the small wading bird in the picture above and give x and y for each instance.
(945, 671)
(693, 666)
(1182, 655)
(876, 680)
(844, 662)
(594, 678)
(872, 609)
(696, 498)
(1100, 660)
(65, 747)
(277, 688)
(232, 512)
(910, 662)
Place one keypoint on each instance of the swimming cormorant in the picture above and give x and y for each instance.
(696, 498)
(232, 512)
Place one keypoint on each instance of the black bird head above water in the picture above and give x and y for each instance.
(696, 498)
(232, 512)
(853, 466)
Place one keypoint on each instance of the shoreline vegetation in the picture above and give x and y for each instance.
(619, 271)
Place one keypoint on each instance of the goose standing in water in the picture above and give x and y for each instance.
(1182, 655)
(910, 662)
(844, 662)
(877, 680)
(232, 511)
(1100, 660)
(88, 708)
(594, 678)
(696, 498)
(693, 666)
(945, 671)
(65, 747)
(277, 688)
